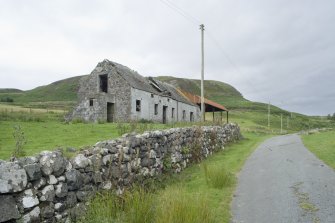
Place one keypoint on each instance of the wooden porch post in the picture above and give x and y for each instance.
(227, 117)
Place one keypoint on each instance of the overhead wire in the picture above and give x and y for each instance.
(181, 12)
(196, 21)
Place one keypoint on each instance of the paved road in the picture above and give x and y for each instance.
(283, 182)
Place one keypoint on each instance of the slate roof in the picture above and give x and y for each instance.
(139, 82)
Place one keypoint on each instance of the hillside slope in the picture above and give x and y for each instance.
(63, 95)
(219, 92)
(10, 90)
(63, 90)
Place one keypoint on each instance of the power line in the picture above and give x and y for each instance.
(196, 21)
(181, 12)
(219, 47)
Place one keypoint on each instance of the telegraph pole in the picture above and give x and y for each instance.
(281, 123)
(269, 115)
(287, 122)
(202, 28)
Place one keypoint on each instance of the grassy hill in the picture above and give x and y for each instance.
(219, 92)
(250, 115)
(10, 90)
(61, 93)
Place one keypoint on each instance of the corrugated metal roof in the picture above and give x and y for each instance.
(197, 100)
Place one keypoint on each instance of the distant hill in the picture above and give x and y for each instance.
(219, 92)
(10, 90)
(63, 90)
(63, 95)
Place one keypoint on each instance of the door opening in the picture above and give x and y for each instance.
(110, 112)
(191, 117)
(164, 114)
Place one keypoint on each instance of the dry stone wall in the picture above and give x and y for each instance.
(51, 188)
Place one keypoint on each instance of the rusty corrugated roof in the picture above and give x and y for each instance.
(196, 99)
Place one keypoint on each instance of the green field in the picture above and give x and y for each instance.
(322, 144)
(45, 129)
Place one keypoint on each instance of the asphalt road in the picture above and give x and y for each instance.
(283, 182)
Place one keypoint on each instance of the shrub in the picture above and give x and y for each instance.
(7, 99)
(20, 141)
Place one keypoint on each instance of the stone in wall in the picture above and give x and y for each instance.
(13, 178)
(8, 208)
(50, 188)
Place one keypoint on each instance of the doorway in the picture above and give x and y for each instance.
(110, 112)
(164, 114)
(191, 117)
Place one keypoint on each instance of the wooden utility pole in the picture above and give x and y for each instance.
(281, 123)
(202, 28)
(288, 122)
(269, 115)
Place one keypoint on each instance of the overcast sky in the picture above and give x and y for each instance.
(281, 51)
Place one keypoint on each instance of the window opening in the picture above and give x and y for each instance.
(138, 105)
(156, 109)
(91, 102)
(103, 83)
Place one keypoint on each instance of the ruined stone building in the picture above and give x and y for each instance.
(113, 92)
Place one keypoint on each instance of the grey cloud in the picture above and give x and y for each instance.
(282, 51)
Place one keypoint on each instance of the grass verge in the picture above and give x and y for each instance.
(322, 144)
(186, 197)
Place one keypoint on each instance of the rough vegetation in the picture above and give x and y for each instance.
(51, 188)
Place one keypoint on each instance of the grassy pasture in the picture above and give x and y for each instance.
(15, 108)
(322, 144)
(53, 134)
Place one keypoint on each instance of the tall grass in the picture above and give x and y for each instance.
(139, 206)
(173, 205)
(177, 206)
(217, 176)
(135, 206)
(106, 207)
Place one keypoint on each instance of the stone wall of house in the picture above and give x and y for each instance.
(149, 101)
(51, 188)
(118, 93)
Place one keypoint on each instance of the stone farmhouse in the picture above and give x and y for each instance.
(115, 93)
